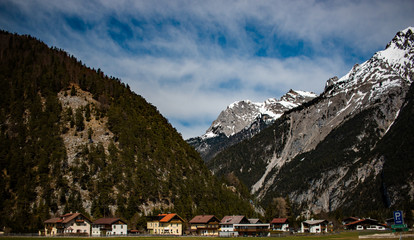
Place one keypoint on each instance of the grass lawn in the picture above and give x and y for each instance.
(339, 236)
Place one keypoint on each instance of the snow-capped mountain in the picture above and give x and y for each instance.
(243, 119)
(329, 153)
(241, 114)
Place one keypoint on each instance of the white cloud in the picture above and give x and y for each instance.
(174, 58)
(188, 89)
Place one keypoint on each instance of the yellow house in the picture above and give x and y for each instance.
(165, 224)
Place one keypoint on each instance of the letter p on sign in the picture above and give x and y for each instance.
(398, 217)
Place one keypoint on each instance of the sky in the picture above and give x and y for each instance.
(191, 59)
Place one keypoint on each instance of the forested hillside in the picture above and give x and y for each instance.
(73, 139)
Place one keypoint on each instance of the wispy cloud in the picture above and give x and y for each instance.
(193, 58)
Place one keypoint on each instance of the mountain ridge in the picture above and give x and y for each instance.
(243, 119)
(315, 151)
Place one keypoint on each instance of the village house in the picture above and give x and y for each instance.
(255, 228)
(109, 227)
(365, 224)
(314, 226)
(205, 225)
(227, 228)
(68, 224)
(280, 224)
(165, 224)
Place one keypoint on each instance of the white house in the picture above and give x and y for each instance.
(227, 228)
(68, 224)
(109, 226)
(280, 224)
(314, 226)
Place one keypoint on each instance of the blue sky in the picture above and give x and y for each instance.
(193, 58)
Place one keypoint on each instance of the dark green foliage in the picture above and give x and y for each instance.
(147, 160)
(87, 113)
(73, 91)
(79, 120)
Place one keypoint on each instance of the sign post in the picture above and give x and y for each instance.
(399, 225)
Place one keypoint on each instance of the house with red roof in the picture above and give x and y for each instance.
(165, 224)
(280, 224)
(68, 224)
(365, 224)
(205, 225)
(109, 227)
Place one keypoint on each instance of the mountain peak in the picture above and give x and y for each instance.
(398, 56)
(403, 39)
(242, 114)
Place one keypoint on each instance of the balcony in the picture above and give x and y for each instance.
(212, 227)
(252, 230)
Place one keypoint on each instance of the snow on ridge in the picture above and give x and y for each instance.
(288, 104)
(305, 94)
(208, 135)
(393, 55)
(408, 28)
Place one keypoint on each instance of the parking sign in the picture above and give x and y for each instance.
(398, 217)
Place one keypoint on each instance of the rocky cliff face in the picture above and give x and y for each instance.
(243, 119)
(320, 154)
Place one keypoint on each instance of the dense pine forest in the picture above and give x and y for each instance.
(145, 167)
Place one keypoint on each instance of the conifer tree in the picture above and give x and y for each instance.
(73, 91)
(79, 120)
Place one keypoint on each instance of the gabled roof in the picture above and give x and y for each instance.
(362, 221)
(313, 222)
(69, 217)
(234, 220)
(279, 220)
(168, 217)
(204, 219)
(351, 219)
(254, 220)
(52, 220)
(66, 218)
(107, 221)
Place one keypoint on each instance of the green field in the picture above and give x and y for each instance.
(339, 236)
